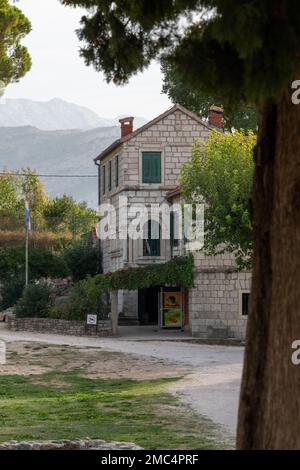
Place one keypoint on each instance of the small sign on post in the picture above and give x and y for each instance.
(91, 319)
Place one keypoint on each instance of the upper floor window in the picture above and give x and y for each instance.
(151, 242)
(103, 179)
(117, 171)
(151, 167)
(109, 176)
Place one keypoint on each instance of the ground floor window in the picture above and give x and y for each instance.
(151, 242)
(244, 303)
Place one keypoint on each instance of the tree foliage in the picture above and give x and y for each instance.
(177, 272)
(15, 60)
(236, 47)
(42, 264)
(82, 259)
(220, 173)
(58, 215)
(14, 189)
(236, 115)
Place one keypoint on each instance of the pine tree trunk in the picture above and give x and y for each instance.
(269, 414)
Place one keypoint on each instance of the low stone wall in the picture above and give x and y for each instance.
(96, 444)
(60, 327)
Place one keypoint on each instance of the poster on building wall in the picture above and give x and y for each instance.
(171, 309)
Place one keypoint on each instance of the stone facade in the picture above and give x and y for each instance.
(60, 327)
(214, 304)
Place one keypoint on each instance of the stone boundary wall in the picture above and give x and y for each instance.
(60, 327)
(78, 444)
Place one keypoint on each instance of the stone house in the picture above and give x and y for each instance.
(144, 166)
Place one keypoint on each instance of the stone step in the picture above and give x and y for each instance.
(128, 321)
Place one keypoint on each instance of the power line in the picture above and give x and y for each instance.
(48, 176)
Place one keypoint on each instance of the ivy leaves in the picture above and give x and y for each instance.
(177, 272)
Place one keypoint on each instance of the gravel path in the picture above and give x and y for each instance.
(211, 387)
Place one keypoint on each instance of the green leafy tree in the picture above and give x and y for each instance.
(236, 115)
(42, 263)
(82, 260)
(9, 200)
(220, 173)
(15, 60)
(249, 50)
(60, 214)
(65, 214)
(18, 187)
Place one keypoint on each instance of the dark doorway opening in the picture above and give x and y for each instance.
(148, 305)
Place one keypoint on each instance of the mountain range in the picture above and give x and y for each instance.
(80, 135)
(55, 114)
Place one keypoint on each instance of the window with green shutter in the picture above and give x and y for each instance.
(117, 171)
(173, 230)
(151, 246)
(103, 179)
(109, 176)
(151, 167)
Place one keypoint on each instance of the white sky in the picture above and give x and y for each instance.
(59, 71)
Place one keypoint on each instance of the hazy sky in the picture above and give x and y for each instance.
(58, 71)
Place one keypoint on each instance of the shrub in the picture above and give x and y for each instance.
(42, 263)
(82, 260)
(11, 292)
(80, 303)
(36, 301)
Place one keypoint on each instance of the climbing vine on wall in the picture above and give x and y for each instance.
(177, 272)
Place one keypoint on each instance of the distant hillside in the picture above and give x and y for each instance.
(55, 114)
(58, 152)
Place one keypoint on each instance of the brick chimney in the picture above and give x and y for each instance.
(126, 126)
(215, 114)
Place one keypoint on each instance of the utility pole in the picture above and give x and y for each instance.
(27, 223)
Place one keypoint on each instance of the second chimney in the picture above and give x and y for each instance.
(215, 114)
(126, 126)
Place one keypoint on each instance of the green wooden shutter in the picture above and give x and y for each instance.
(103, 179)
(117, 171)
(151, 166)
(109, 176)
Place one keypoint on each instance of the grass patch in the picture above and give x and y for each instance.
(60, 405)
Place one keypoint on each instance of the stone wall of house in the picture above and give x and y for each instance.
(173, 136)
(54, 326)
(215, 304)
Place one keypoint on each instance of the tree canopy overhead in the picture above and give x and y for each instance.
(15, 60)
(249, 47)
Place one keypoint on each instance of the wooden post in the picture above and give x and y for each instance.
(114, 312)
